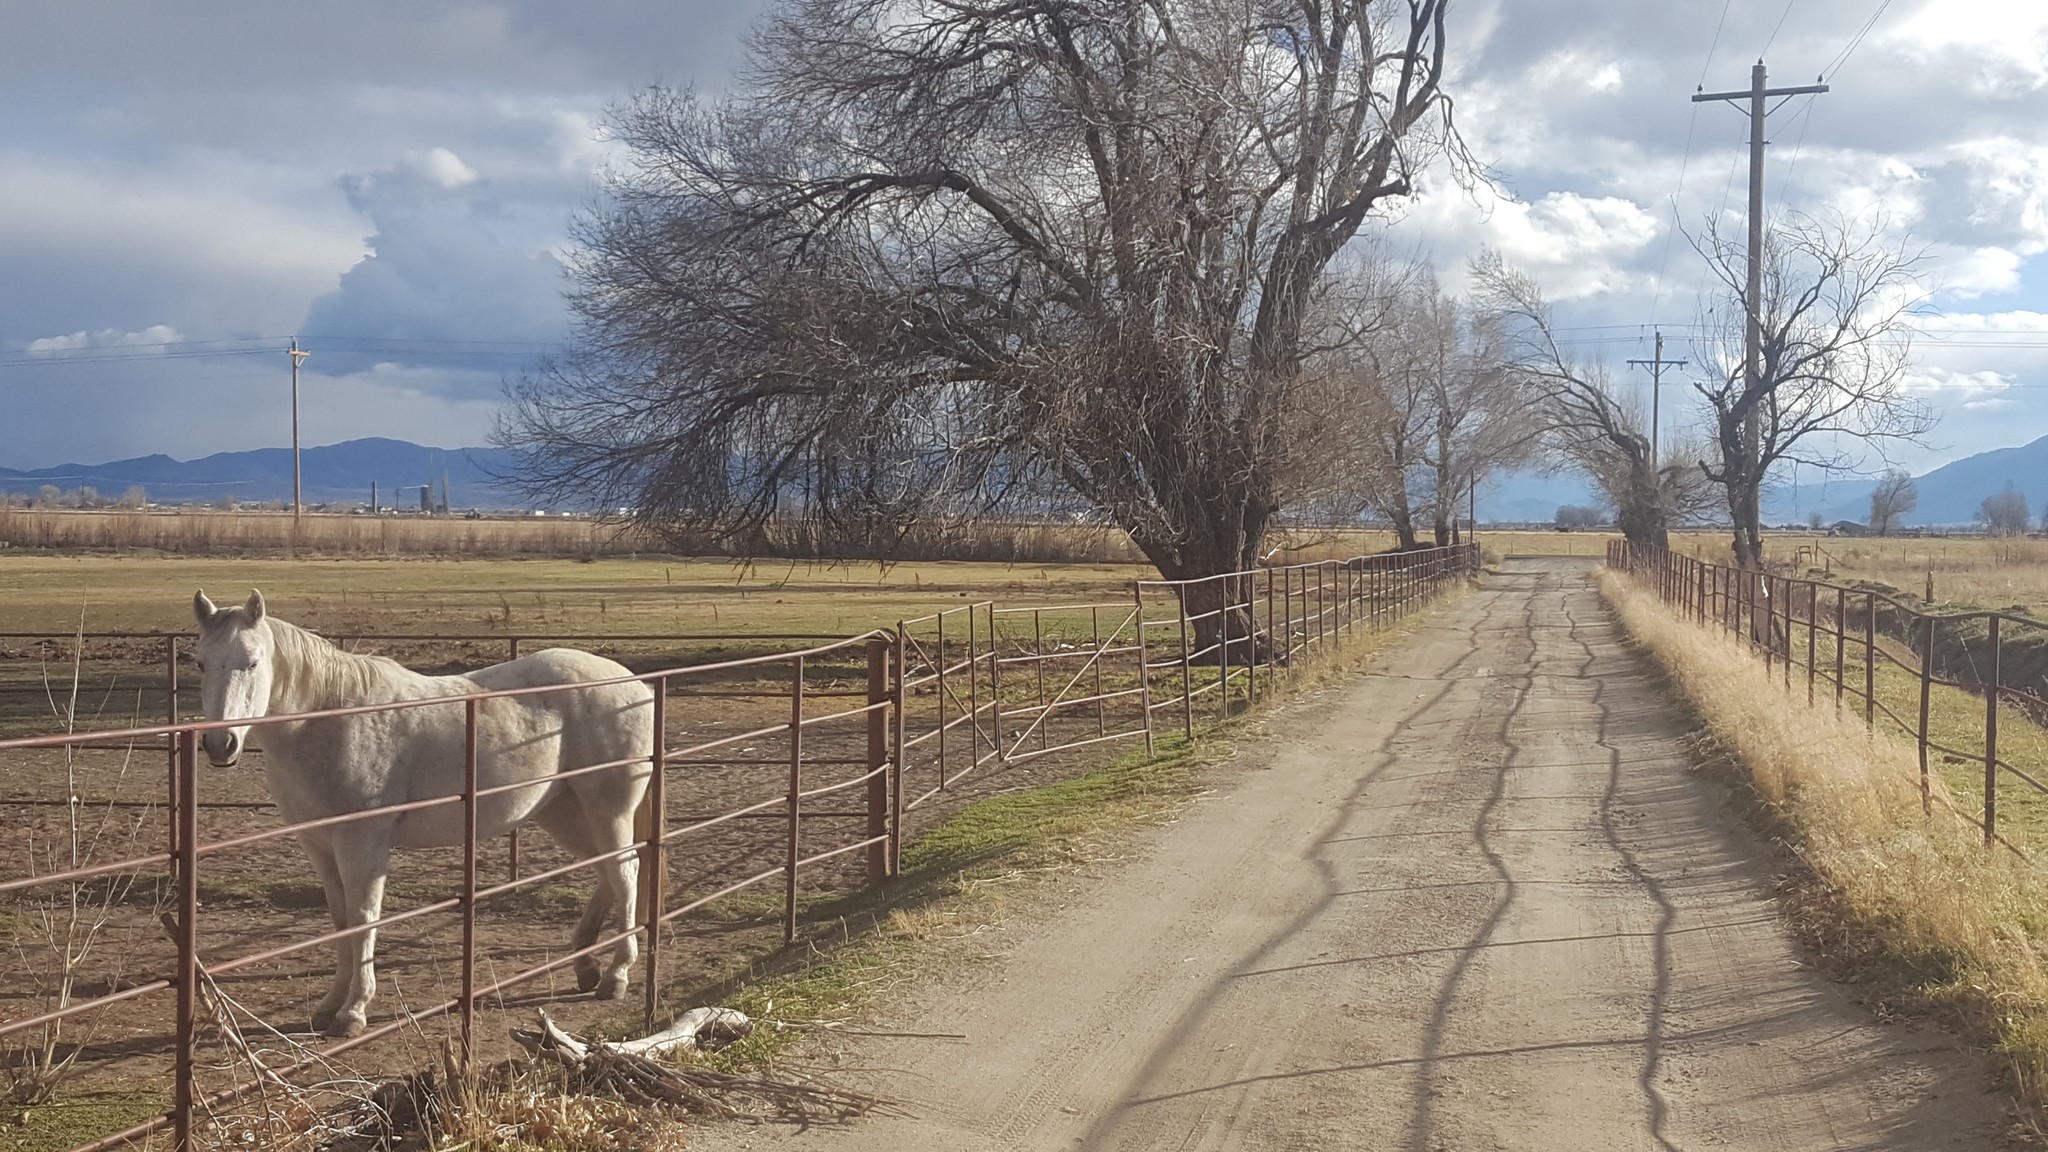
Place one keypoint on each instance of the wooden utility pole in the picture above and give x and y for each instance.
(1752, 330)
(298, 494)
(1656, 365)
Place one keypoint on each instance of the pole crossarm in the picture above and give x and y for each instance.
(1767, 93)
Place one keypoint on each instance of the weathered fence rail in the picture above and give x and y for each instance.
(1840, 640)
(939, 698)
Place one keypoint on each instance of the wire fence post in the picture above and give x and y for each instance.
(653, 854)
(187, 975)
(878, 759)
(1144, 671)
(469, 882)
(1991, 690)
(1870, 659)
(796, 787)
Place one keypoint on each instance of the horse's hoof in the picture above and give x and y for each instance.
(614, 985)
(343, 1027)
(587, 978)
(323, 1019)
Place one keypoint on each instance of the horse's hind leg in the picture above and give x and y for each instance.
(565, 823)
(622, 874)
(362, 857)
(321, 855)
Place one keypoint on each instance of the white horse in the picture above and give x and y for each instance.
(252, 664)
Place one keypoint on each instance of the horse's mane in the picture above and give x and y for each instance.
(315, 673)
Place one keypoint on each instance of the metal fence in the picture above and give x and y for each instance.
(890, 718)
(1846, 642)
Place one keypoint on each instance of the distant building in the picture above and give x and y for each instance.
(1848, 528)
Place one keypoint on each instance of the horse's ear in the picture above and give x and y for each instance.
(253, 608)
(202, 608)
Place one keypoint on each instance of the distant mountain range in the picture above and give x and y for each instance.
(343, 473)
(332, 473)
(1949, 495)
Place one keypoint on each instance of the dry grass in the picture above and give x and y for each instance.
(209, 532)
(1912, 906)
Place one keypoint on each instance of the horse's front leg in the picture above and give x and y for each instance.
(362, 857)
(321, 854)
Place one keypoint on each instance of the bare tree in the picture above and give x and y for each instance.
(1577, 413)
(1833, 357)
(1894, 496)
(2004, 513)
(946, 254)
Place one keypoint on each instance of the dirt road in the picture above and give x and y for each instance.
(1475, 900)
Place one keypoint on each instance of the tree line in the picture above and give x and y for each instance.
(1130, 261)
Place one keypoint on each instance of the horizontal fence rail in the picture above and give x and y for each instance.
(1841, 640)
(871, 728)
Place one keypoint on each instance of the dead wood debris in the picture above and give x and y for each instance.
(628, 1071)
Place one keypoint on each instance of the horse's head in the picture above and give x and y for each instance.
(235, 670)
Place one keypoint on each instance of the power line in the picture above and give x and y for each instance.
(1781, 24)
(1842, 58)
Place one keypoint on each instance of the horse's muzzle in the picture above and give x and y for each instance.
(222, 748)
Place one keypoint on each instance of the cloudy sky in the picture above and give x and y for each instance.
(185, 187)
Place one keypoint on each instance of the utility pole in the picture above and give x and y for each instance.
(1656, 365)
(298, 496)
(1752, 304)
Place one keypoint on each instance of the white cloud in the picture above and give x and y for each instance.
(2005, 40)
(442, 167)
(1935, 378)
(154, 336)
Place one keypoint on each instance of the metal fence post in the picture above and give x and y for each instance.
(1223, 645)
(1842, 642)
(171, 742)
(995, 686)
(1038, 662)
(186, 978)
(468, 882)
(1870, 659)
(796, 787)
(1991, 690)
(878, 759)
(512, 837)
(899, 720)
(1145, 673)
(1101, 706)
(653, 856)
(973, 696)
(942, 701)
(1187, 681)
(1926, 692)
(1812, 637)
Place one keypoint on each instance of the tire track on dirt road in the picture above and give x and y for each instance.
(1474, 899)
